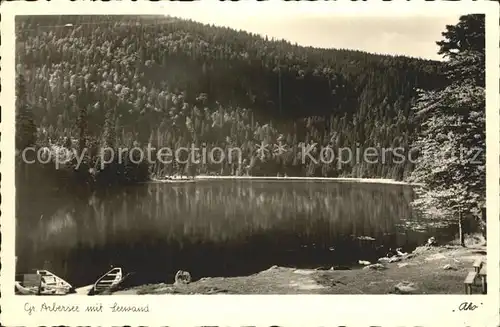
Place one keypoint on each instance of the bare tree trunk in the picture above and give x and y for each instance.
(460, 228)
(483, 221)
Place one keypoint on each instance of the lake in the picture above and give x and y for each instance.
(215, 228)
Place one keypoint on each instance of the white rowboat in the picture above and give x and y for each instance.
(52, 284)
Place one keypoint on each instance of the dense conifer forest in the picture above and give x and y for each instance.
(129, 81)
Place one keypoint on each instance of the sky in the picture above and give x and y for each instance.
(408, 35)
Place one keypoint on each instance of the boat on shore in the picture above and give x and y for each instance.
(107, 282)
(42, 282)
(52, 284)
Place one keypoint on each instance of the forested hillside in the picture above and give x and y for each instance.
(124, 81)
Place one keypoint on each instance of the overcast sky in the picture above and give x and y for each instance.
(409, 35)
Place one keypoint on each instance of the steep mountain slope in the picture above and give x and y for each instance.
(133, 80)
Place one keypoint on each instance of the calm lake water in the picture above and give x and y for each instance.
(215, 228)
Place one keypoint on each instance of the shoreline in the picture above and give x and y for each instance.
(185, 179)
(426, 270)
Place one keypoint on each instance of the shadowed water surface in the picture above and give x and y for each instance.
(214, 228)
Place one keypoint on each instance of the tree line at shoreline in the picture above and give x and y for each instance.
(85, 82)
(178, 83)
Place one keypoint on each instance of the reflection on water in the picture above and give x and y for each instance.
(211, 228)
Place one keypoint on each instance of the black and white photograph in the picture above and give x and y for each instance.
(192, 153)
(163, 155)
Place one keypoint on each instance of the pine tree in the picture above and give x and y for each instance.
(452, 143)
(109, 134)
(82, 129)
(25, 125)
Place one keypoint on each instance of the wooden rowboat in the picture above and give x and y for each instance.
(42, 282)
(52, 284)
(109, 280)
